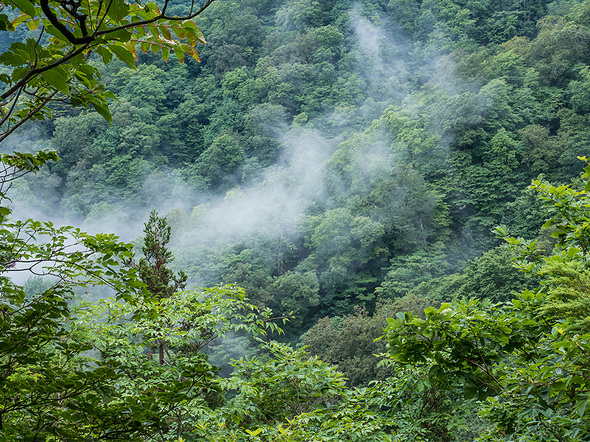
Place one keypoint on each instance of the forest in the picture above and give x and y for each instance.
(295, 220)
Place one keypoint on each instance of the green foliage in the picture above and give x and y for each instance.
(220, 159)
(426, 159)
(408, 271)
(295, 293)
(524, 360)
(57, 68)
(286, 386)
(183, 324)
(50, 387)
(88, 371)
(295, 397)
(490, 276)
(350, 342)
(151, 268)
(342, 245)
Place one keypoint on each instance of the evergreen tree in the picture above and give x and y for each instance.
(152, 268)
(160, 280)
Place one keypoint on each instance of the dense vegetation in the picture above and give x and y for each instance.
(338, 164)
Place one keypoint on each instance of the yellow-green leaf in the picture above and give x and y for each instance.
(33, 24)
(190, 51)
(118, 9)
(154, 30)
(165, 31)
(165, 53)
(179, 54)
(189, 26)
(177, 30)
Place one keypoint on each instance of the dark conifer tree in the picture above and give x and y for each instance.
(152, 267)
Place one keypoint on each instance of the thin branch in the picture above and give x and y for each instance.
(28, 117)
(81, 19)
(40, 70)
(152, 20)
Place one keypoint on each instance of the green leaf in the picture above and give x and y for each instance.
(104, 52)
(190, 51)
(177, 30)
(123, 54)
(26, 6)
(193, 31)
(13, 59)
(5, 24)
(103, 110)
(581, 407)
(430, 310)
(154, 31)
(165, 31)
(118, 10)
(33, 24)
(179, 54)
(58, 78)
(165, 53)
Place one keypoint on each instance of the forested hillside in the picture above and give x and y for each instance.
(339, 163)
(324, 155)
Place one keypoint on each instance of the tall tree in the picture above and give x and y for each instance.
(152, 268)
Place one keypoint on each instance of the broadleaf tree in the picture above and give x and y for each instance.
(52, 63)
(50, 386)
(524, 362)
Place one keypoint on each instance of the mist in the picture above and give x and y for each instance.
(276, 201)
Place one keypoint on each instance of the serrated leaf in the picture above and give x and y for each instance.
(179, 54)
(191, 51)
(140, 32)
(191, 28)
(123, 54)
(131, 48)
(178, 31)
(18, 20)
(165, 53)
(165, 31)
(199, 35)
(190, 37)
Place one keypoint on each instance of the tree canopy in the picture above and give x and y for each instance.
(327, 167)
